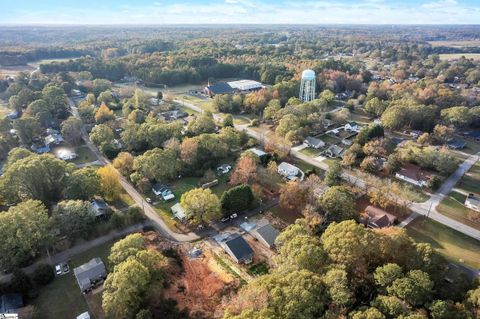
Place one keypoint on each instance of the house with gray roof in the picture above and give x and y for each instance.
(313, 142)
(238, 249)
(266, 235)
(90, 273)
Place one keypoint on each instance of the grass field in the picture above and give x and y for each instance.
(455, 246)
(62, 297)
(456, 56)
(85, 155)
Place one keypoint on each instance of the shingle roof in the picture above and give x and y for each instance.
(220, 88)
(238, 246)
(90, 271)
(9, 303)
(268, 233)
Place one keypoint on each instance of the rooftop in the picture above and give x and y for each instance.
(268, 234)
(238, 246)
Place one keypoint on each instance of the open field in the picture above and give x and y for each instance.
(62, 297)
(455, 246)
(456, 56)
(455, 44)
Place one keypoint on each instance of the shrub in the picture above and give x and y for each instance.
(43, 275)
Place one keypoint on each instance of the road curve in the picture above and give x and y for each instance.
(149, 211)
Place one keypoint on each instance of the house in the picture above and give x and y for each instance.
(10, 303)
(178, 212)
(413, 174)
(99, 207)
(266, 235)
(258, 152)
(313, 142)
(224, 168)
(163, 191)
(378, 218)
(244, 86)
(456, 144)
(238, 249)
(286, 169)
(218, 88)
(473, 202)
(352, 126)
(334, 151)
(155, 101)
(66, 154)
(40, 149)
(90, 273)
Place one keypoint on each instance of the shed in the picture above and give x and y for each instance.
(266, 235)
(88, 274)
(238, 249)
(99, 207)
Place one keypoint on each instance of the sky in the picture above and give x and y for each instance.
(22, 12)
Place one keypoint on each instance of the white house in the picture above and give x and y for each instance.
(352, 126)
(178, 212)
(473, 202)
(286, 169)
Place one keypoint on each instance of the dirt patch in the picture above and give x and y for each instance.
(94, 301)
(198, 285)
(260, 251)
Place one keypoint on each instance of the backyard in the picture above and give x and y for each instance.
(62, 297)
(453, 245)
(453, 205)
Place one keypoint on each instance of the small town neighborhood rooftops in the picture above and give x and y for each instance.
(378, 218)
(178, 212)
(266, 234)
(313, 142)
(413, 174)
(89, 273)
(257, 152)
(238, 248)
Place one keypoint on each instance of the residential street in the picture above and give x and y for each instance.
(427, 208)
(149, 211)
(78, 249)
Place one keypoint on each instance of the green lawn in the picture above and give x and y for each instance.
(180, 187)
(62, 297)
(453, 205)
(85, 155)
(258, 269)
(309, 151)
(454, 245)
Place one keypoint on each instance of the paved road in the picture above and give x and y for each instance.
(78, 249)
(426, 208)
(149, 211)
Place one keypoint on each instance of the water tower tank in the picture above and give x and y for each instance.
(307, 86)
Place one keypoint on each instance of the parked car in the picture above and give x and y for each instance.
(65, 268)
(233, 216)
(58, 270)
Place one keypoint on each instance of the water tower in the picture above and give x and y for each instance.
(307, 86)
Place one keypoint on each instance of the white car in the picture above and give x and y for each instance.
(233, 216)
(58, 270)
